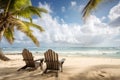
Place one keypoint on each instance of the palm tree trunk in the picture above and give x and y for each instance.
(3, 57)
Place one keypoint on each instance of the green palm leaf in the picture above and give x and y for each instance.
(92, 4)
(14, 4)
(12, 10)
(21, 26)
(32, 37)
(8, 34)
(34, 26)
(26, 29)
(2, 30)
(18, 4)
(29, 11)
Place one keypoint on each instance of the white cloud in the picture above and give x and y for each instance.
(103, 18)
(114, 12)
(46, 6)
(73, 3)
(93, 33)
(115, 23)
(114, 16)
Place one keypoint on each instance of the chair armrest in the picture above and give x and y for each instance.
(41, 59)
(62, 61)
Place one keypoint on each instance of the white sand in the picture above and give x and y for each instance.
(74, 68)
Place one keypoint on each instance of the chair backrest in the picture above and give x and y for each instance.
(28, 58)
(51, 59)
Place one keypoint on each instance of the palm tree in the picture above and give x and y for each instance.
(91, 5)
(10, 13)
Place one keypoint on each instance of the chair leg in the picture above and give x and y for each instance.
(56, 74)
(41, 65)
(61, 67)
(45, 71)
(22, 68)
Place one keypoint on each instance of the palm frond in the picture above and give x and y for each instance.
(32, 37)
(18, 4)
(9, 18)
(8, 34)
(92, 4)
(21, 26)
(2, 30)
(29, 11)
(14, 4)
(34, 26)
(37, 11)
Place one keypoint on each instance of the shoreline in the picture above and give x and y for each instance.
(72, 55)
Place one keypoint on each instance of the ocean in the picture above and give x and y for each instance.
(70, 51)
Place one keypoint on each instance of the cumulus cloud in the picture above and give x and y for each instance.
(46, 6)
(115, 12)
(115, 23)
(114, 16)
(93, 33)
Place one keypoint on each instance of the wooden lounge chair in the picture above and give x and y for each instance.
(30, 62)
(52, 61)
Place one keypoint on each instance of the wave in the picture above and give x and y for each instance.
(86, 51)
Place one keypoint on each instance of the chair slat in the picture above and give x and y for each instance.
(51, 59)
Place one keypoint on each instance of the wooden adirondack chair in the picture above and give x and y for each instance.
(52, 61)
(29, 60)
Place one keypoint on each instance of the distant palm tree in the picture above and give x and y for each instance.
(10, 13)
(91, 5)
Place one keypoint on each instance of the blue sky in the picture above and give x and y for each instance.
(64, 25)
(70, 10)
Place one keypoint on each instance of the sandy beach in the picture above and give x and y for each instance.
(84, 33)
(74, 68)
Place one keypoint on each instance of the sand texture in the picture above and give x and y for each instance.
(74, 68)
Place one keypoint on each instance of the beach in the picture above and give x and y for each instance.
(74, 68)
(84, 33)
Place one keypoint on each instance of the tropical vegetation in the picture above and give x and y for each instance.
(17, 15)
(89, 7)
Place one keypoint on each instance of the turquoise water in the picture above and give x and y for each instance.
(79, 51)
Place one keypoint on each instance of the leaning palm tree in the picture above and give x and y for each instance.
(11, 12)
(91, 5)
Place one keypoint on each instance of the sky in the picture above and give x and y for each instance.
(64, 25)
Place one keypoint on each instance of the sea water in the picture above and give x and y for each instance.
(70, 51)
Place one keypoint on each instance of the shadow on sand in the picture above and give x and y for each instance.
(13, 74)
(99, 72)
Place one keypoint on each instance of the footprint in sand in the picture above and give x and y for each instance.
(105, 75)
(102, 73)
(99, 75)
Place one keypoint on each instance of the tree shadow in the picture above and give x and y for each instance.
(13, 74)
(99, 72)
